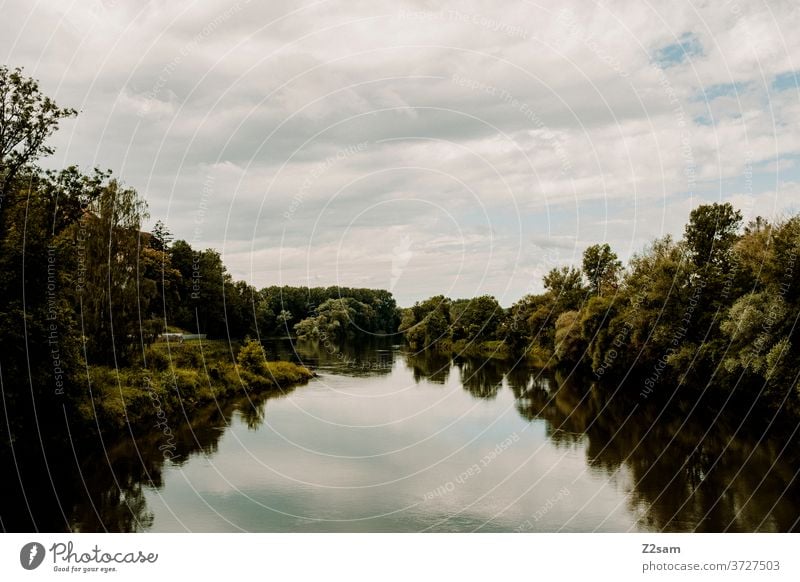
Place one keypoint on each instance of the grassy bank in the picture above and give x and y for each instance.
(175, 379)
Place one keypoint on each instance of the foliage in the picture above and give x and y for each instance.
(565, 286)
(711, 232)
(602, 268)
(719, 306)
(338, 319)
(256, 372)
(476, 320)
(113, 289)
(134, 396)
(27, 119)
(85, 291)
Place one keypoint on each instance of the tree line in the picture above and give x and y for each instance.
(83, 286)
(718, 306)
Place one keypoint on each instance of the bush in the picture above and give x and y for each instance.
(137, 396)
(285, 373)
(252, 358)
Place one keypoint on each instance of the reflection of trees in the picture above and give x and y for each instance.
(481, 378)
(97, 489)
(686, 468)
(76, 489)
(92, 485)
(429, 365)
(358, 357)
(690, 468)
(252, 409)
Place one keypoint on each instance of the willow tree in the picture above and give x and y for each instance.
(115, 293)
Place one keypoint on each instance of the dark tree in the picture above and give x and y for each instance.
(711, 232)
(27, 119)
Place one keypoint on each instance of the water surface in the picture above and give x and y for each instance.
(385, 440)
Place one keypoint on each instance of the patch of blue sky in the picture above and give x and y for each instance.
(785, 161)
(785, 81)
(712, 92)
(687, 47)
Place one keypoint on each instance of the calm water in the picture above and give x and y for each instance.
(385, 440)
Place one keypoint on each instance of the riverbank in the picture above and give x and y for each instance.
(176, 379)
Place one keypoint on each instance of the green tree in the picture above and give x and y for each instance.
(477, 319)
(754, 324)
(529, 327)
(565, 285)
(114, 294)
(252, 358)
(602, 268)
(338, 319)
(415, 320)
(711, 232)
(569, 343)
(178, 305)
(437, 327)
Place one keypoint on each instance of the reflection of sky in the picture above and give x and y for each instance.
(346, 448)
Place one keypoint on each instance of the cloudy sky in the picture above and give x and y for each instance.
(427, 147)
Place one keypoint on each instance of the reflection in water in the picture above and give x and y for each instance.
(481, 378)
(694, 471)
(429, 365)
(374, 446)
(354, 358)
(86, 488)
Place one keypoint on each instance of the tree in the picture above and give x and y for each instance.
(569, 343)
(601, 267)
(566, 287)
(338, 319)
(475, 320)
(711, 232)
(209, 279)
(529, 324)
(416, 319)
(179, 311)
(284, 317)
(755, 324)
(437, 327)
(114, 294)
(162, 237)
(27, 119)
(240, 308)
(39, 340)
(252, 358)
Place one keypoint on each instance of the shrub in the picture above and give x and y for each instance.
(252, 359)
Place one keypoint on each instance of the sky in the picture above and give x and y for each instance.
(462, 148)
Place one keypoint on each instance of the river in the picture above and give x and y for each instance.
(385, 440)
